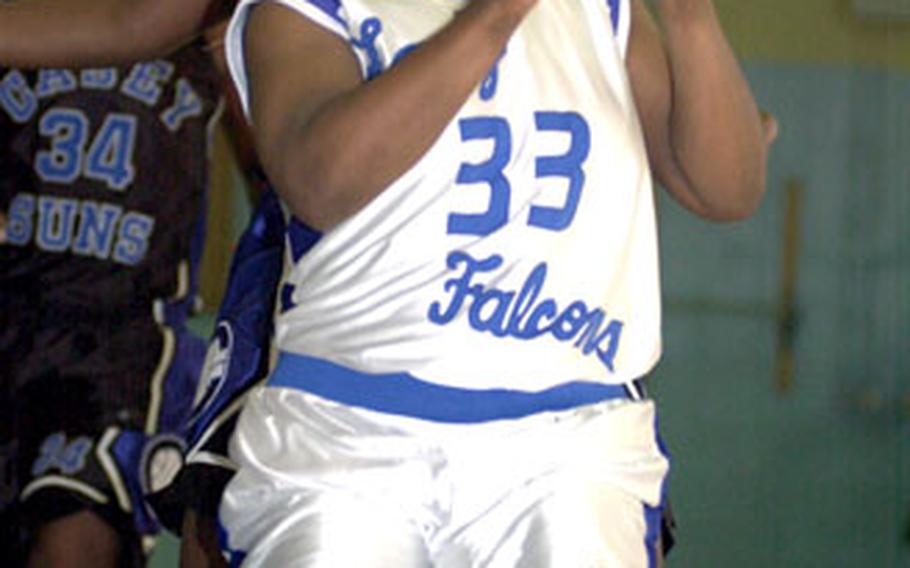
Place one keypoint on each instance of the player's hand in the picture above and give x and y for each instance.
(2, 229)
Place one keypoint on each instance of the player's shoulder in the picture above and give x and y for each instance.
(324, 11)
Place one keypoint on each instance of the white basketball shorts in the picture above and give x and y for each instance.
(323, 484)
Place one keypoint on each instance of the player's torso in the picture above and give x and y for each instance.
(103, 177)
(520, 251)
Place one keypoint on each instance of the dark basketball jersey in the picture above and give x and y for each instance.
(103, 174)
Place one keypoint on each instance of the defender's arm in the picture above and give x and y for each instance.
(94, 33)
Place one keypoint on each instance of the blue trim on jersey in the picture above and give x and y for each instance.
(301, 238)
(331, 8)
(614, 14)
(405, 395)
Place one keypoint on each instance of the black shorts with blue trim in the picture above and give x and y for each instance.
(201, 481)
(92, 415)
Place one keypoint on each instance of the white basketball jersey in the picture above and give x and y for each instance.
(520, 252)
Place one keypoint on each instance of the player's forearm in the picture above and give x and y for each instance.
(715, 127)
(92, 33)
(357, 144)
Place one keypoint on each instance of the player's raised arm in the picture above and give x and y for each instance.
(707, 142)
(79, 33)
(330, 142)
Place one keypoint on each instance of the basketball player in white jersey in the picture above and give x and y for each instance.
(460, 353)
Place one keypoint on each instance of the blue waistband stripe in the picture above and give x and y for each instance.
(405, 395)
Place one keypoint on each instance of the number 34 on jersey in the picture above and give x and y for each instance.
(72, 148)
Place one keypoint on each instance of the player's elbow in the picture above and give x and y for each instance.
(316, 189)
(733, 199)
(722, 194)
(730, 213)
(150, 28)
